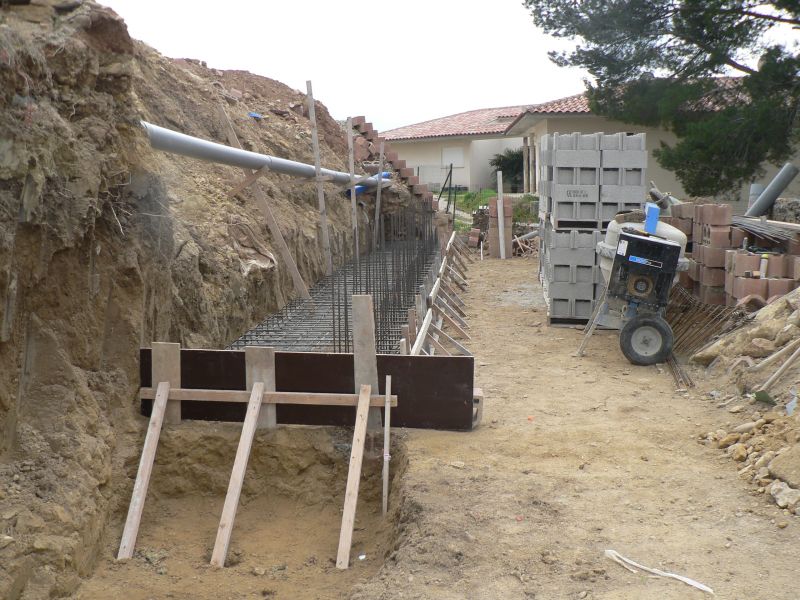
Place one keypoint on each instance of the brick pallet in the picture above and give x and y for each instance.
(585, 180)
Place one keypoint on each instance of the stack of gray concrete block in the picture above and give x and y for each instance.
(585, 180)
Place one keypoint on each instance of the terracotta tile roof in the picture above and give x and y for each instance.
(578, 103)
(485, 121)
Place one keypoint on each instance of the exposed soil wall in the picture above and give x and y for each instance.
(106, 245)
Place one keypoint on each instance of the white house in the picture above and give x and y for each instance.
(466, 140)
(469, 140)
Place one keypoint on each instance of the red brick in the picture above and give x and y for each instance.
(698, 251)
(390, 157)
(407, 172)
(792, 267)
(712, 277)
(744, 262)
(712, 294)
(697, 232)
(364, 127)
(684, 280)
(399, 164)
(717, 236)
(419, 189)
(729, 277)
(357, 121)
(779, 287)
(714, 257)
(414, 180)
(683, 211)
(714, 214)
(685, 226)
(775, 266)
(694, 270)
(507, 207)
(730, 256)
(746, 286)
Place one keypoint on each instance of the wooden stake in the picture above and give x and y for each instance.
(353, 480)
(365, 360)
(784, 367)
(412, 326)
(139, 494)
(269, 218)
(166, 359)
(323, 212)
(403, 347)
(237, 477)
(249, 180)
(353, 204)
(260, 367)
(386, 433)
(376, 225)
(501, 220)
(422, 333)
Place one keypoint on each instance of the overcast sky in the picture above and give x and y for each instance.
(397, 63)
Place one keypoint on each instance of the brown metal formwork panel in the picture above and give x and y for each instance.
(433, 392)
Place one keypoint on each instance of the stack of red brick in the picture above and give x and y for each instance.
(720, 271)
(474, 238)
(369, 146)
(494, 228)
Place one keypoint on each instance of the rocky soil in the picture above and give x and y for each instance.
(106, 245)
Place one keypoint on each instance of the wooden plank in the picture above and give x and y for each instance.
(365, 359)
(290, 398)
(422, 333)
(412, 326)
(386, 442)
(323, 211)
(462, 349)
(451, 322)
(237, 477)
(167, 367)
(272, 223)
(249, 180)
(353, 480)
(260, 367)
(459, 281)
(139, 494)
(501, 220)
(403, 347)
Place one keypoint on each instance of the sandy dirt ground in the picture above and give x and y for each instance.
(574, 456)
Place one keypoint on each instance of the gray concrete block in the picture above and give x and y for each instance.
(623, 141)
(624, 159)
(570, 308)
(574, 193)
(623, 193)
(578, 210)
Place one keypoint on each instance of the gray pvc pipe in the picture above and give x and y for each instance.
(174, 142)
(767, 198)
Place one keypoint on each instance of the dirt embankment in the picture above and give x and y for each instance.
(106, 245)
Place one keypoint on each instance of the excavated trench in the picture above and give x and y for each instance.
(287, 526)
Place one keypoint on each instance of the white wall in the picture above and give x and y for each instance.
(427, 156)
(481, 174)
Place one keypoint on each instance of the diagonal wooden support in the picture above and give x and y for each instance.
(463, 350)
(248, 181)
(451, 322)
(457, 279)
(422, 334)
(272, 223)
(451, 296)
(353, 479)
(139, 494)
(436, 343)
(443, 306)
(237, 477)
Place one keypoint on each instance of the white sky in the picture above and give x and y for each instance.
(397, 63)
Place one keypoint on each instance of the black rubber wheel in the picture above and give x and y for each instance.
(646, 340)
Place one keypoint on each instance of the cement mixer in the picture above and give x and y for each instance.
(639, 259)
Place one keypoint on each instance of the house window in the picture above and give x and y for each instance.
(453, 155)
